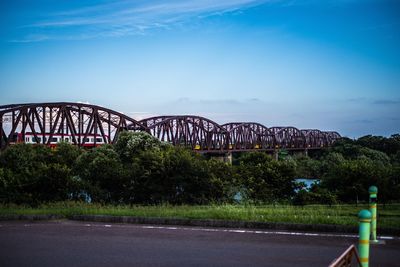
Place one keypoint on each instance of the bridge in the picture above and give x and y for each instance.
(76, 122)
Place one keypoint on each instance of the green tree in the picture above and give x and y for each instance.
(130, 143)
(146, 181)
(350, 179)
(66, 153)
(315, 195)
(31, 174)
(102, 174)
(223, 181)
(389, 145)
(265, 179)
(307, 167)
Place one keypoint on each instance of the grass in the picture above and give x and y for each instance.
(388, 216)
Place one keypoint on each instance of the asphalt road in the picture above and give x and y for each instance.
(68, 243)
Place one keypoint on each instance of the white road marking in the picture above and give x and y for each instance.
(240, 231)
(386, 237)
(260, 232)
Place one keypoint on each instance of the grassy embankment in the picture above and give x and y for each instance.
(389, 216)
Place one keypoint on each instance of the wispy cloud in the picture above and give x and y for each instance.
(330, 3)
(368, 101)
(223, 110)
(363, 121)
(219, 102)
(130, 17)
(387, 102)
(359, 121)
(31, 38)
(357, 100)
(394, 119)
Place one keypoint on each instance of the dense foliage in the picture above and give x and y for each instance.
(139, 169)
(348, 169)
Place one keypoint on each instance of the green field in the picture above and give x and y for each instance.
(389, 215)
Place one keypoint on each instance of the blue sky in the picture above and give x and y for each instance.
(332, 65)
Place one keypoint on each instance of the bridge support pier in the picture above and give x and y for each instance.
(226, 157)
(276, 155)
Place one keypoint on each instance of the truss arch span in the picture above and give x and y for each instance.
(77, 123)
(315, 138)
(248, 136)
(195, 132)
(288, 138)
(332, 136)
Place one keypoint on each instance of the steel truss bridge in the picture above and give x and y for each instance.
(79, 120)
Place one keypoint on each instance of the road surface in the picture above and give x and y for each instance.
(69, 243)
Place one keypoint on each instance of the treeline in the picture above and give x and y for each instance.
(139, 169)
(349, 167)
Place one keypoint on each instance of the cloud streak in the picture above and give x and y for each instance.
(382, 102)
(387, 102)
(130, 17)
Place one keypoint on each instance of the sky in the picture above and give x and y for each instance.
(330, 65)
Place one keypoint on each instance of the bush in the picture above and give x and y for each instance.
(34, 173)
(316, 195)
(139, 169)
(265, 179)
(102, 174)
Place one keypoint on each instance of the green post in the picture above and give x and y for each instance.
(364, 217)
(373, 193)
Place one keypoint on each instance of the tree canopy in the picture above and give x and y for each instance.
(139, 169)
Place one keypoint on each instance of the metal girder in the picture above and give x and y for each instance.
(76, 120)
(315, 138)
(79, 120)
(194, 132)
(248, 135)
(289, 138)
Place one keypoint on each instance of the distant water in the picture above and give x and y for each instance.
(308, 182)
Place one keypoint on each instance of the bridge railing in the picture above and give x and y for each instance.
(348, 258)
